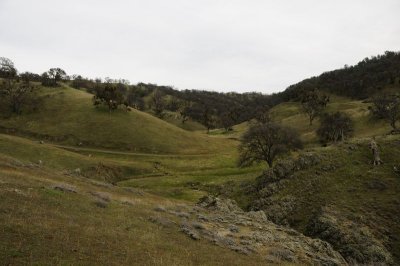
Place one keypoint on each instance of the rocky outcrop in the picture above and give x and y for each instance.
(223, 223)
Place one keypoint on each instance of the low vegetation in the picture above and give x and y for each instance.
(95, 171)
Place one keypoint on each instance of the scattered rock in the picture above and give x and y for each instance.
(279, 254)
(234, 228)
(65, 188)
(198, 226)
(101, 195)
(190, 232)
(225, 206)
(202, 218)
(160, 209)
(181, 214)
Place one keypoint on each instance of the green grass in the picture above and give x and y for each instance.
(68, 116)
(42, 226)
(291, 114)
(165, 175)
(190, 125)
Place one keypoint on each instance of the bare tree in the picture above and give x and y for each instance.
(265, 141)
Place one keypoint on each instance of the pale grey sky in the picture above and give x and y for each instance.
(222, 45)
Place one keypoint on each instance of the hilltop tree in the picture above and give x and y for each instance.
(313, 103)
(335, 127)
(80, 82)
(264, 142)
(14, 92)
(387, 107)
(29, 76)
(53, 76)
(108, 95)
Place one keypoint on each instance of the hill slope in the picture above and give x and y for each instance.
(67, 115)
(291, 114)
(51, 216)
(335, 194)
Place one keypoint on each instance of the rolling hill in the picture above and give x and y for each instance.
(67, 116)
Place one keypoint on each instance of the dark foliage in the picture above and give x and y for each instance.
(14, 92)
(387, 107)
(263, 115)
(157, 103)
(263, 142)
(30, 77)
(359, 81)
(53, 76)
(208, 118)
(108, 94)
(335, 127)
(7, 68)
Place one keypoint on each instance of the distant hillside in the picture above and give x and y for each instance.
(67, 115)
(224, 110)
(360, 81)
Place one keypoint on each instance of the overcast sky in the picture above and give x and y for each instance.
(222, 45)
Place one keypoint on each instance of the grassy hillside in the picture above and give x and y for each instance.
(48, 218)
(174, 118)
(291, 114)
(67, 115)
